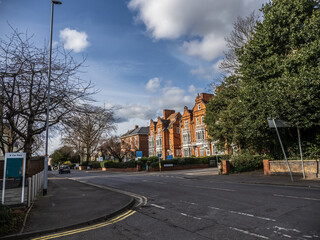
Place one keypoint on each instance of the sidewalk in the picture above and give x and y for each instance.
(257, 177)
(69, 204)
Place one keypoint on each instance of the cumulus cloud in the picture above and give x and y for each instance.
(204, 24)
(123, 113)
(74, 40)
(153, 84)
(173, 98)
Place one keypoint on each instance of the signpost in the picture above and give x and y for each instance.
(275, 123)
(14, 166)
(139, 154)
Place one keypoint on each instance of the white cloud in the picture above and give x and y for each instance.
(74, 40)
(153, 84)
(192, 89)
(172, 98)
(204, 23)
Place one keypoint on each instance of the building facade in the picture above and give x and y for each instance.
(164, 135)
(135, 140)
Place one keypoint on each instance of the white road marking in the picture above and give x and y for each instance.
(282, 234)
(211, 188)
(187, 215)
(249, 233)
(287, 229)
(244, 214)
(189, 202)
(295, 197)
(157, 206)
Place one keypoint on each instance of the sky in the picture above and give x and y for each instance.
(142, 56)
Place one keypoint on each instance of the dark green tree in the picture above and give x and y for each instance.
(278, 77)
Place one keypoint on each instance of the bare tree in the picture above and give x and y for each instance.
(86, 128)
(23, 84)
(242, 32)
(112, 146)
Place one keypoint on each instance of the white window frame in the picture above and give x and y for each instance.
(199, 106)
(186, 124)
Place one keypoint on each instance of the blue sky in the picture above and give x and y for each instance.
(142, 55)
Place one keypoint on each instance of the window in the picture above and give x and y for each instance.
(197, 120)
(199, 106)
(151, 132)
(186, 125)
(208, 152)
(169, 141)
(178, 130)
(202, 118)
(186, 138)
(201, 152)
(159, 130)
(200, 135)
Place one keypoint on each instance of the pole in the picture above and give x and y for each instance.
(46, 159)
(284, 153)
(302, 164)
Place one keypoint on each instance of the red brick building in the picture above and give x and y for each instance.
(194, 135)
(164, 135)
(137, 140)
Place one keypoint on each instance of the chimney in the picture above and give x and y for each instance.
(136, 126)
(206, 96)
(167, 113)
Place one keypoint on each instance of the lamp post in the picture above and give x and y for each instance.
(45, 175)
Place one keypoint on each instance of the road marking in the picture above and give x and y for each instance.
(142, 199)
(157, 206)
(85, 229)
(248, 233)
(282, 234)
(295, 197)
(244, 214)
(287, 229)
(187, 215)
(212, 188)
(188, 202)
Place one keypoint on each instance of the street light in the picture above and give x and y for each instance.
(45, 175)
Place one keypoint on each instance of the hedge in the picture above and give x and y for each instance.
(246, 162)
(129, 164)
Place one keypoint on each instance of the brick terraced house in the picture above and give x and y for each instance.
(164, 135)
(194, 135)
(137, 140)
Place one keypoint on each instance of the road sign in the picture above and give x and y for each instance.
(169, 157)
(14, 166)
(139, 154)
(159, 155)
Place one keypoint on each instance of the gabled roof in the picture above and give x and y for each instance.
(139, 130)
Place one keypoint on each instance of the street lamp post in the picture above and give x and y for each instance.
(45, 175)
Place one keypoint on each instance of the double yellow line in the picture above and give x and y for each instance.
(84, 229)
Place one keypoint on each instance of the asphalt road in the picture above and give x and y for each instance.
(183, 205)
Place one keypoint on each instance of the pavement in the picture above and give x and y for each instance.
(71, 204)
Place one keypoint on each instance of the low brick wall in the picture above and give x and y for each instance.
(311, 168)
(196, 166)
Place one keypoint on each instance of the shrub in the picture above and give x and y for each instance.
(95, 164)
(84, 164)
(246, 162)
(5, 219)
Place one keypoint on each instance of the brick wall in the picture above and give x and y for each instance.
(311, 167)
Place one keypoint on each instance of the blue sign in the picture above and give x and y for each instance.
(170, 157)
(139, 154)
(159, 155)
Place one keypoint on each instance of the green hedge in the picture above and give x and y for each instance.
(246, 162)
(129, 164)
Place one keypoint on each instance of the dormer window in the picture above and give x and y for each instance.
(199, 106)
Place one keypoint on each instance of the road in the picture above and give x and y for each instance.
(191, 205)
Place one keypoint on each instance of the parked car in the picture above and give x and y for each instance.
(64, 169)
